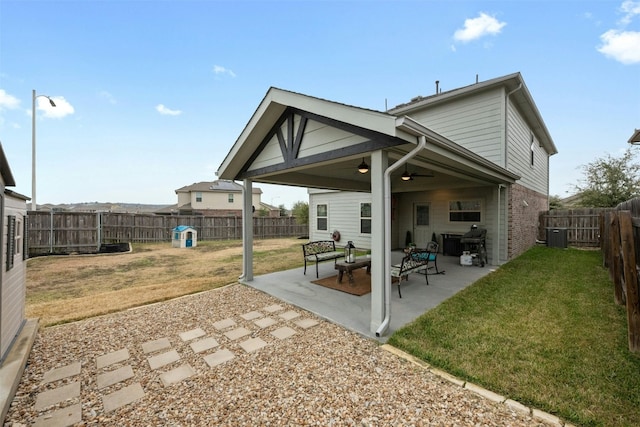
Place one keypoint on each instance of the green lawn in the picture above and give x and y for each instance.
(543, 330)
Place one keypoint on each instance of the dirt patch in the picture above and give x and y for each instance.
(66, 288)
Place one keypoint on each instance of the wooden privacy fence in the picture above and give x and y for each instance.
(85, 232)
(583, 225)
(620, 249)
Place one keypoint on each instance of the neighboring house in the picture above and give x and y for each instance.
(218, 198)
(474, 155)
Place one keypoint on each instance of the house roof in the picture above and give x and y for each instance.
(514, 85)
(5, 170)
(220, 185)
(635, 138)
(355, 133)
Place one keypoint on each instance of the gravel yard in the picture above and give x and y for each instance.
(282, 366)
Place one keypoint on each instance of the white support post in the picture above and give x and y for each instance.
(247, 231)
(379, 256)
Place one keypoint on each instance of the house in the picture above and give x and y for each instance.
(218, 198)
(436, 165)
(16, 333)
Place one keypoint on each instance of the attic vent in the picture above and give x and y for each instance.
(417, 98)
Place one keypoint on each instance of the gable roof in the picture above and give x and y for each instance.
(221, 185)
(5, 170)
(513, 84)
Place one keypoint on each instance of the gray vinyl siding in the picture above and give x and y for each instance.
(12, 310)
(475, 123)
(519, 154)
(343, 215)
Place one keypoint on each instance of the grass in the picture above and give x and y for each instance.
(543, 330)
(64, 289)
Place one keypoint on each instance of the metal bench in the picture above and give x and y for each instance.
(318, 251)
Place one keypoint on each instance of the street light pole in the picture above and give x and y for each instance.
(34, 206)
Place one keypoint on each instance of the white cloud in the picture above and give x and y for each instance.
(475, 28)
(623, 46)
(7, 101)
(219, 69)
(160, 108)
(630, 9)
(62, 109)
(108, 97)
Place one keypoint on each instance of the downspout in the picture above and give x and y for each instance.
(506, 117)
(387, 231)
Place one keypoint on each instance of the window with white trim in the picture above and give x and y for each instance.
(11, 240)
(230, 198)
(322, 220)
(365, 218)
(198, 196)
(465, 211)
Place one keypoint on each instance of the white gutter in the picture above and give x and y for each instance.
(506, 118)
(387, 232)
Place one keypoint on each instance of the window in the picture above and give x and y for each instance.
(465, 211)
(321, 217)
(531, 148)
(18, 239)
(365, 218)
(198, 196)
(230, 198)
(11, 240)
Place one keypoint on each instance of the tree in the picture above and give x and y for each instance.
(555, 202)
(301, 211)
(283, 210)
(609, 180)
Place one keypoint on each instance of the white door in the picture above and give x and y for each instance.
(421, 224)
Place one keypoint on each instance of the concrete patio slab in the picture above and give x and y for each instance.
(176, 375)
(62, 372)
(57, 395)
(306, 323)
(289, 315)
(192, 334)
(224, 324)
(63, 417)
(283, 333)
(112, 358)
(113, 377)
(122, 397)
(219, 357)
(164, 359)
(252, 344)
(156, 345)
(237, 333)
(252, 315)
(265, 322)
(204, 345)
(273, 308)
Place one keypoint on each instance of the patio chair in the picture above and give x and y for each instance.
(432, 256)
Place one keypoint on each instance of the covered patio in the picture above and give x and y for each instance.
(354, 312)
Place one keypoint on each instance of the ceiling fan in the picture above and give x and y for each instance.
(406, 176)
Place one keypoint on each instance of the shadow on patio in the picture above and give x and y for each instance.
(354, 312)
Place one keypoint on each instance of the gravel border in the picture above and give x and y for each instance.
(324, 375)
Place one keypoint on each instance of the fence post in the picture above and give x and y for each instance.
(614, 254)
(631, 280)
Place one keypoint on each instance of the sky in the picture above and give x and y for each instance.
(151, 95)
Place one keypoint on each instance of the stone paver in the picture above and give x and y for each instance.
(273, 308)
(122, 397)
(63, 417)
(156, 345)
(224, 324)
(192, 334)
(252, 344)
(203, 345)
(113, 377)
(62, 372)
(218, 357)
(265, 322)
(283, 333)
(306, 323)
(112, 358)
(237, 333)
(163, 359)
(252, 315)
(288, 315)
(176, 375)
(57, 395)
